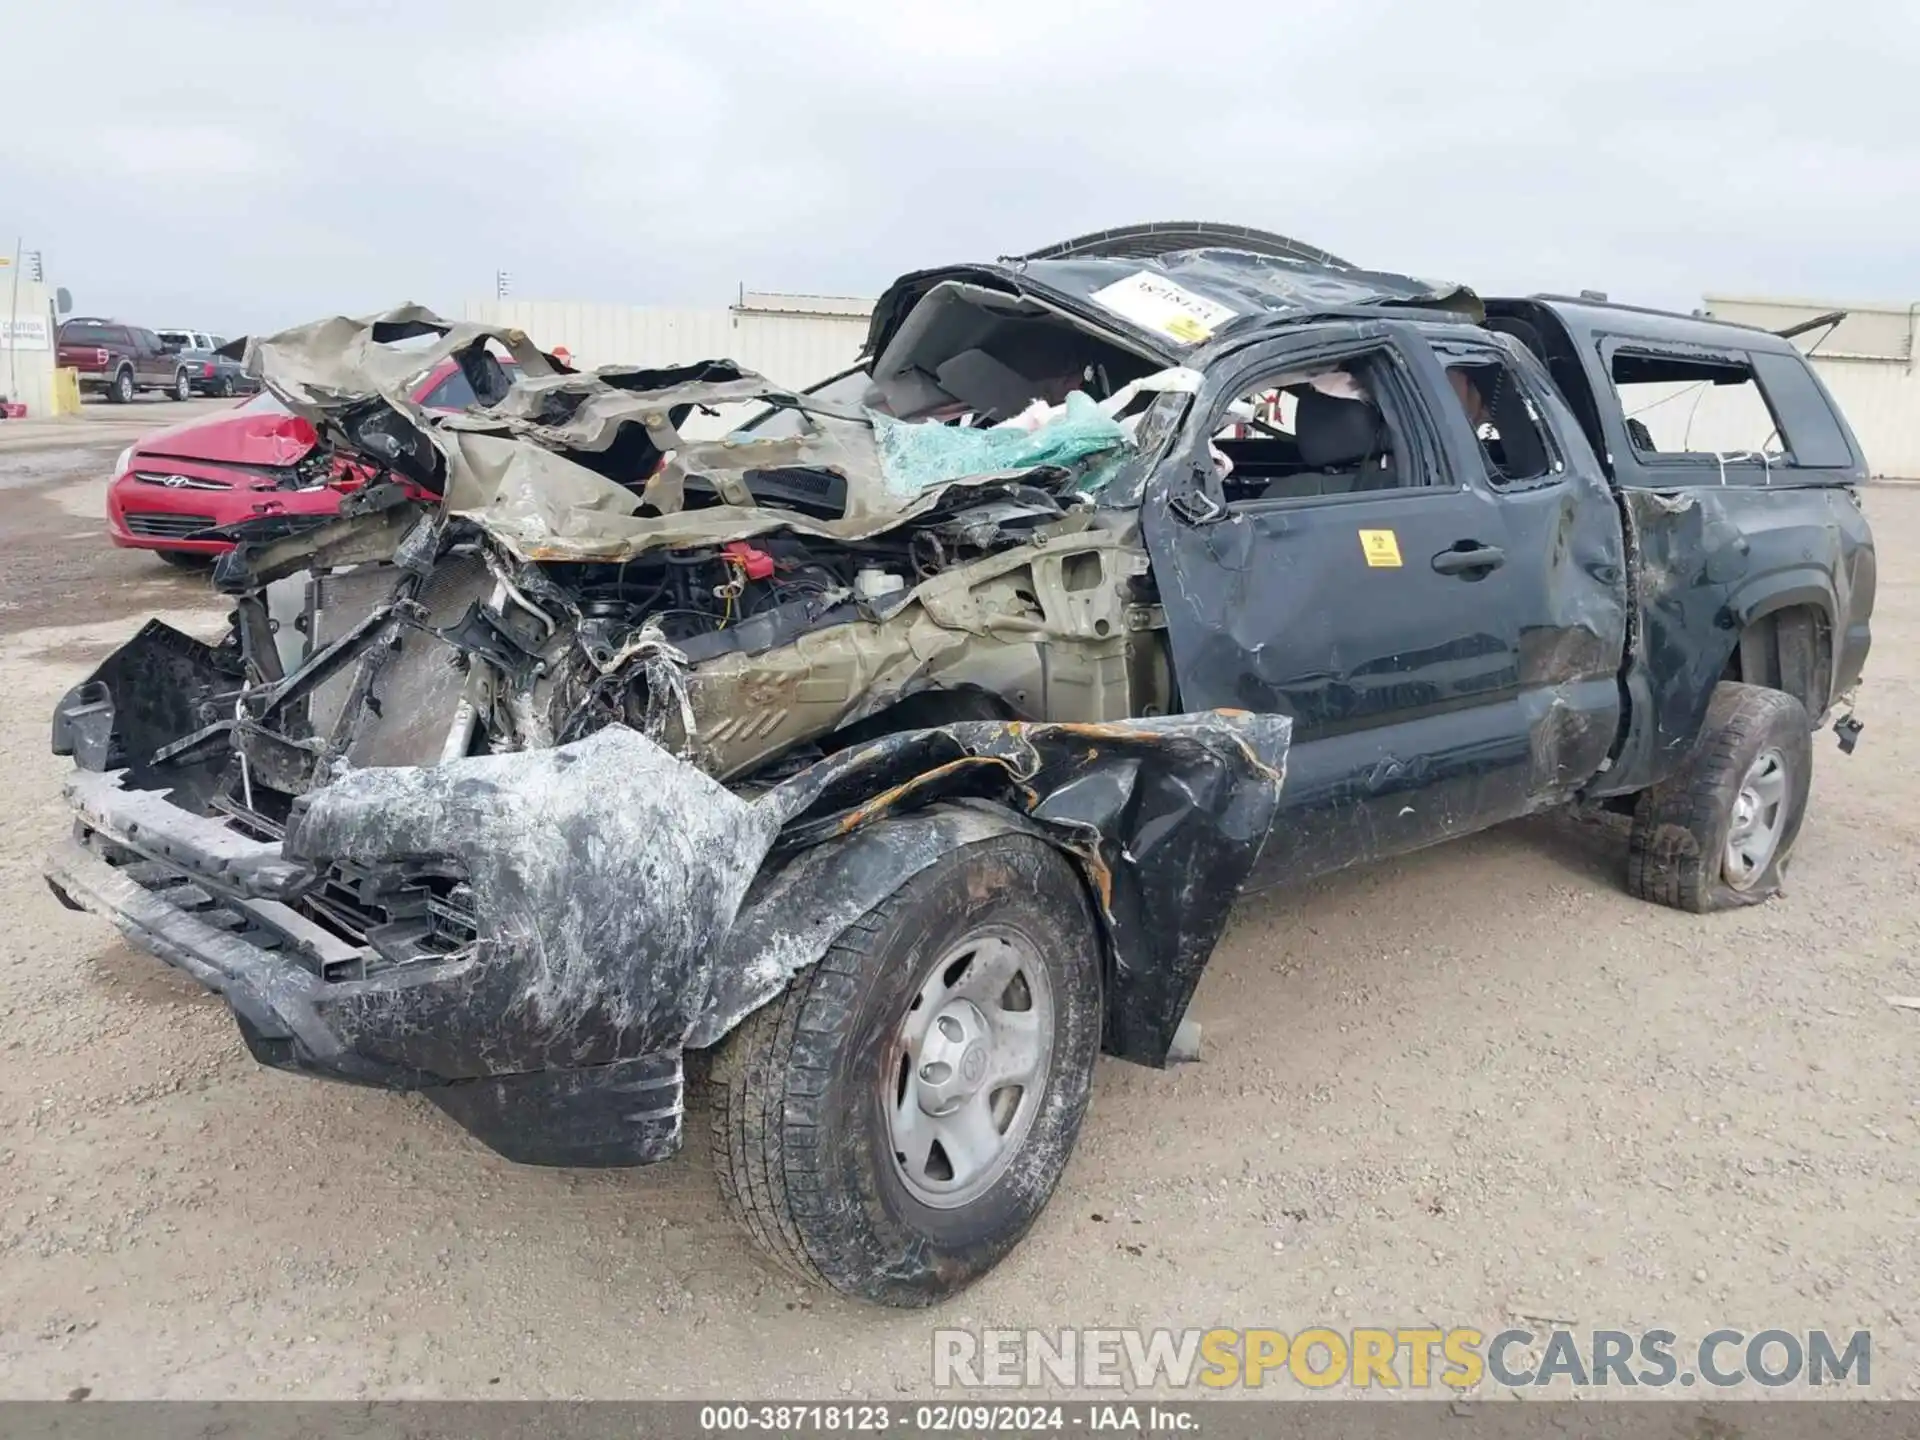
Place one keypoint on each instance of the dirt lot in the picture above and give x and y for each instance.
(99, 423)
(1462, 1088)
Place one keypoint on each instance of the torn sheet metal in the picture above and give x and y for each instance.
(602, 875)
(606, 879)
(317, 366)
(1164, 817)
(592, 467)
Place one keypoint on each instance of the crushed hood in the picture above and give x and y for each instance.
(242, 436)
(592, 466)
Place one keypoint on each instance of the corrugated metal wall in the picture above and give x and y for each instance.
(792, 339)
(1867, 362)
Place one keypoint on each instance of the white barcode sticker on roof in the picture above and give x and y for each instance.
(1156, 303)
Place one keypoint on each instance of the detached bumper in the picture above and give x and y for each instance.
(200, 898)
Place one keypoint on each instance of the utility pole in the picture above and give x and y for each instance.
(13, 317)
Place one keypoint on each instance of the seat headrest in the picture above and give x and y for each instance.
(1333, 432)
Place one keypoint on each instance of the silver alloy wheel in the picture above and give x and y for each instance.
(182, 386)
(1759, 817)
(971, 1062)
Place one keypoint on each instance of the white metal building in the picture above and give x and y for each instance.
(1866, 361)
(793, 340)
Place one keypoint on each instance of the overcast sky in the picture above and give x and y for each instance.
(233, 167)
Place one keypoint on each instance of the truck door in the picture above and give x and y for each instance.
(152, 365)
(1352, 573)
(1567, 565)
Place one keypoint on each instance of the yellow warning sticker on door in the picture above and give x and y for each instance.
(1381, 549)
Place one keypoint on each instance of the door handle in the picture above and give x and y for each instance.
(1469, 559)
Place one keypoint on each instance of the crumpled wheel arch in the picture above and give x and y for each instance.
(1163, 819)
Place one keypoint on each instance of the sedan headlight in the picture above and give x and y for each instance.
(125, 460)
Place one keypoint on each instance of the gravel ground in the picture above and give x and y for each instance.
(1457, 1089)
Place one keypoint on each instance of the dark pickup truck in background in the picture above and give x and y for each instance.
(910, 747)
(210, 372)
(119, 360)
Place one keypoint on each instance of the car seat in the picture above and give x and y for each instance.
(1344, 442)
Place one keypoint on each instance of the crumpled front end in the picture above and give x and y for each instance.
(533, 939)
(573, 739)
(525, 937)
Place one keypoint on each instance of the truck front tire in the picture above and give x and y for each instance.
(894, 1122)
(1718, 832)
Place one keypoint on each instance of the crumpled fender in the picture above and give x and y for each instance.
(604, 875)
(800, 904)
(628, 904)
(1164, 818)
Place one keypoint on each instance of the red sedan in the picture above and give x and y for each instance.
(245, 463)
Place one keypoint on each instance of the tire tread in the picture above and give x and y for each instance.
(773, 1080)
(1665, 860)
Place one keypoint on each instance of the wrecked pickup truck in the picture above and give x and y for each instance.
(907, 746)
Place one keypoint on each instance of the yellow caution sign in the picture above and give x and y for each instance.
(1381, 548)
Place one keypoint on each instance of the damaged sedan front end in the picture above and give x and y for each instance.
(574, 740)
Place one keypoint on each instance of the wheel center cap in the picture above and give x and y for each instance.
(955, 1058)
(973, 1064)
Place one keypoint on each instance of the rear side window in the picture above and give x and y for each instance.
(1715, 408)
(1813, 435)
(178, 337)
(1694, 407)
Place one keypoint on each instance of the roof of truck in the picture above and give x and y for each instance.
(1163, 237)
(1179, 299)
(1590, 319)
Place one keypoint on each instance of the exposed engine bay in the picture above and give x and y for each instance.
(520, 759)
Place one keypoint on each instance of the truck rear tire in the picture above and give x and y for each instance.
(892, 1124)
(1718, 832)
(120, 392)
